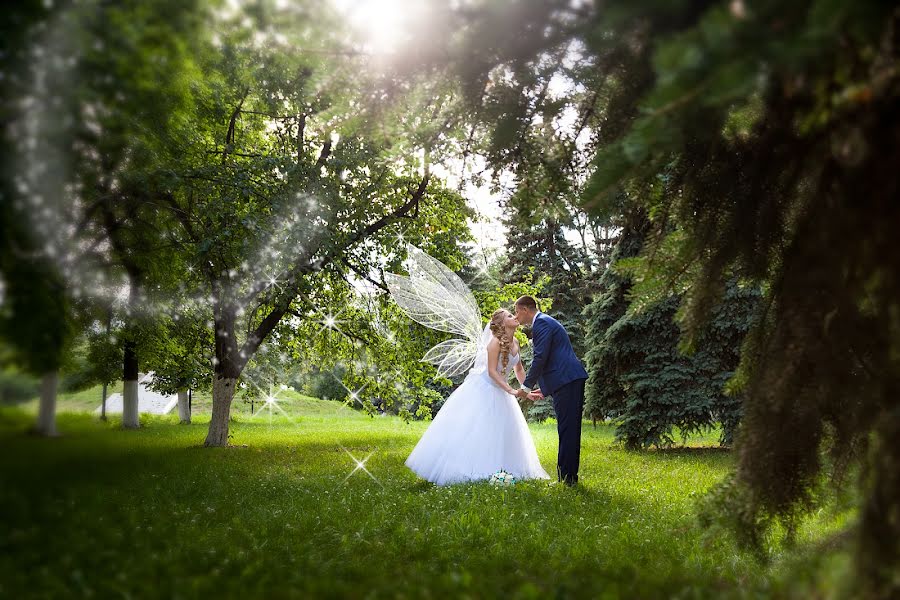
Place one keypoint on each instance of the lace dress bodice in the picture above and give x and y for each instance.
(513, 361)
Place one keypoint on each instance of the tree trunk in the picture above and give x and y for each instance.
(103, 404)
(105, 385)
(184, 409)
(228, 367)
(223, 394)
(46, 422)
(130, 416)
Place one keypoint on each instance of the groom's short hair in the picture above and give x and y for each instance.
(527, 302)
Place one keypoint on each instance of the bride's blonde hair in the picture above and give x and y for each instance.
(499, 331)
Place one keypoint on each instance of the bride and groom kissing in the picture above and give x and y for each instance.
(480, 429)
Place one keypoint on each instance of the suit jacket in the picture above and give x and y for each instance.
(555, 363)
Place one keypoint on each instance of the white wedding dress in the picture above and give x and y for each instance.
(479, 430)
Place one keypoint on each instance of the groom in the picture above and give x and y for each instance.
(560, 375)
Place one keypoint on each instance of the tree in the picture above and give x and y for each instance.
(95, 150)
(288, 190)
(134, 79)
(779, 146)
(543, 248)
(229, 166)
(641, 377)
(36, 313)
(604, 397)
(36, 320)
(777, 141)
(177, 355)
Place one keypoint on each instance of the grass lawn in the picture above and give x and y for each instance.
(103, 512)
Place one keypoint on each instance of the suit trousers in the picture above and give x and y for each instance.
(568, 403)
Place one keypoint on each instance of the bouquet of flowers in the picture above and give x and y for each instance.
(503, 479)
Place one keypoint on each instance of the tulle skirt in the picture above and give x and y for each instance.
(480, 430)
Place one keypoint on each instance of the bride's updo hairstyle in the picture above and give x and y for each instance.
(499, 331)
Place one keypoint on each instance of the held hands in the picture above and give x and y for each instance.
(533, 395)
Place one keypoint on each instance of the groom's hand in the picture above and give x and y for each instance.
(535, 396)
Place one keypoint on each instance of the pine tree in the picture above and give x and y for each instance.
(603, 392)
(544, 247)
(639, 375)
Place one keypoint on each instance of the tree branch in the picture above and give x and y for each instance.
(360, 272)
(306, 266)
(232, 122)
(182, 215)
(323, 155)
(301, 131)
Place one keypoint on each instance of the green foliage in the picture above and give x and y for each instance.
(240, 190)
(325, 385)
(543, 251)
(639, 376)
(777, 142)
(36, 317)
(608, 307)
(16, 387)
(779, 150)
(35, 326)
(177, 351)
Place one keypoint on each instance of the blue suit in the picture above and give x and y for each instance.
(560, 375)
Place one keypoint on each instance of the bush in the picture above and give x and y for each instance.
(16, 387)
(324, 385)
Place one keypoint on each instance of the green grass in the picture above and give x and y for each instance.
(103, 512)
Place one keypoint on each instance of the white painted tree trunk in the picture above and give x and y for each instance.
(223, 394)
(184, 410)
(130, 416)
(46, 422)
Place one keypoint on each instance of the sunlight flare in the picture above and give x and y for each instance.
(382, 24)
(360, 465)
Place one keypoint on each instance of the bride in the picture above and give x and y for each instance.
(480, 429)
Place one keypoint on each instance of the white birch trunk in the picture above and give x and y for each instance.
(46, 421)
(184, 411)
(130, 417)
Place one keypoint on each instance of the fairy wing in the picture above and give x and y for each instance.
(452, 357)
(436, 297)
